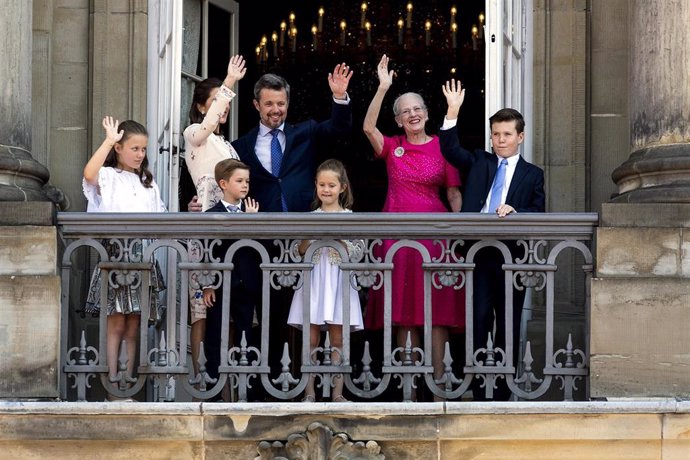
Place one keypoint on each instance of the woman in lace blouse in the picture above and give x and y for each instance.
(205, 146)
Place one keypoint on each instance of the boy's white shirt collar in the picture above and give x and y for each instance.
(226, 204)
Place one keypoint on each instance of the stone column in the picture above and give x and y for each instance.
(21, 177)
(29, 285)
(658, 170)
(640, 315)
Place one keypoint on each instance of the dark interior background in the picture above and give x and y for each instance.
(419, 68)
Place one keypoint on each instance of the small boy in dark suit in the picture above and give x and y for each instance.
(232, 177)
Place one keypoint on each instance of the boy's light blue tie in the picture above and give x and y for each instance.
(497, 187)
(233, 208)
(276, 162)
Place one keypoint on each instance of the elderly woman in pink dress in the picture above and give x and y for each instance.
(417, 173)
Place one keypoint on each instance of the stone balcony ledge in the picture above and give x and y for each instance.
(366, 409)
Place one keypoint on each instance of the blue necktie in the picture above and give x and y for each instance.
(276, 161)
(497, 188)
(233, 208)
(276, 153)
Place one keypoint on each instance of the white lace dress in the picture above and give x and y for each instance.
(122, 191)
(326, 303)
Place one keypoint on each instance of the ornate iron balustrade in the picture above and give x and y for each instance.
(163, 358)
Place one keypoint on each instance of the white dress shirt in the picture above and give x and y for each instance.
(263, 144)
(510, 171)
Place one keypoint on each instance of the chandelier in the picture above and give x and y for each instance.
(356, 30)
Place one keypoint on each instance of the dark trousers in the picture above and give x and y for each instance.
(489, 304)
(242, 302)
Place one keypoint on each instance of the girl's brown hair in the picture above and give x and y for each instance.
(131, 128)
(345, 199)
(225, 168)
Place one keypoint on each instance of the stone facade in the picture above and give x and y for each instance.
(89, 60)
(617, 430)
(641, 302)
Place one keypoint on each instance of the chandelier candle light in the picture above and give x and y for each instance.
(435, 34)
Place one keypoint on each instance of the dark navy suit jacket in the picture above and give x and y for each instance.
(246, 272)
(478, 168)
(245, 296)
(296, 179)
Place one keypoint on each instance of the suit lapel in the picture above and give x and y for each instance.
(518, 176)
(491, 167)
(253, 159)
(219, 208)
(289, 131)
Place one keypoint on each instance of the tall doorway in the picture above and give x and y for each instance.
(483, 43)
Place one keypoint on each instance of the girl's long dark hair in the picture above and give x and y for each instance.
(131, 128)
(346, 198)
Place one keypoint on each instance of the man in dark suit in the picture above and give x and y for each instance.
(283, 159)
(245, 293)
(282, 156)
(504, 184)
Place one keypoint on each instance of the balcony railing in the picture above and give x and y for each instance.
(547, 255)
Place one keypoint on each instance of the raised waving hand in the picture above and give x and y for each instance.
(236, 70)
(455, 95)
(339, 80)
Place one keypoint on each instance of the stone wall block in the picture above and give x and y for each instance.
(639, 340)
(507, 427)
(29, 336)
(97, 450)
(28, 250)
(130, 427)
(638, 252)
(649, 215)
(75, 3)
(74, 143)
(562, 450)
(69, 35)
(69, 81)
(676, 436)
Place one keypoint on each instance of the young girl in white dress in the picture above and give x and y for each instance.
(333, 194)
(117, 179)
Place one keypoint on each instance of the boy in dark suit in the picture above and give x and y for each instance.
(232, 177)
(502, 183)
